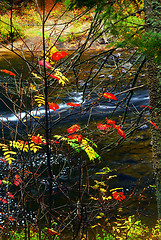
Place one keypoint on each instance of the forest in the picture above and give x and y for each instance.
(80, 119)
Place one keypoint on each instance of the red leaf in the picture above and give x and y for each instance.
(145, 106)
(36, 139)
(109, 121)
(73, 104)
(11, 219)
(0, 182)
(154, 124)
(73, 128)
(52, 232)
(17, 176)
(4, 200)
(118, 196)
(51, 75)
(103, 126)
(63, 54)
(10, 195)
(109, 95)
(2, 160)
(116, 126)
(41, 63)
(17, 180)
(56, 56)
(121, 132)
(76, 136)
(8, 72)
(53, 106)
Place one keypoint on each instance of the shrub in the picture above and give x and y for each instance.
(5, 33)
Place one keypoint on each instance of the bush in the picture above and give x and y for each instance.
(130, 229)
(5, 33)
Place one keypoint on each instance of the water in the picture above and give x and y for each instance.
(131, 160)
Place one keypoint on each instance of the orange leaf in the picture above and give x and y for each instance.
(8, 72)
(109, 95)
(52, 232)
(154, 124)
(103, 126)
(121, 132)
(73, 128)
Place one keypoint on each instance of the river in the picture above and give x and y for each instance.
(132, 159)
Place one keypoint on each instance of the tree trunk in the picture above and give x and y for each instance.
(152, 21)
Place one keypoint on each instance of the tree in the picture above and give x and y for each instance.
(152, 21)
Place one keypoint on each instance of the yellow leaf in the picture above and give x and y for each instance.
(103, 190)
(62, 79)
(89, 150)
(35, 75)
(10, 159)
(32, 87)
(9, 152)
(93, 198)
(98, 217)
(106, 198)
(115, 189)
(9, 162)
(94, 226)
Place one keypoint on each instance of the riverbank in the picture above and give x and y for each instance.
(35, 43)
